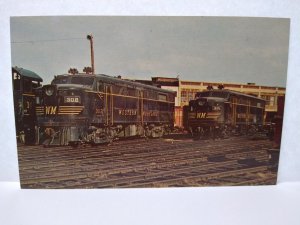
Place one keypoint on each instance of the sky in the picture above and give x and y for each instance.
(216, 49)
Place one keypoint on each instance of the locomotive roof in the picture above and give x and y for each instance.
(231, 92)
(115, 80)
(216, 99)
(27, 73)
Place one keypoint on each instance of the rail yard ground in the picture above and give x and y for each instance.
(174, 161)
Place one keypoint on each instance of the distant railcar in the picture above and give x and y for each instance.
(25, 82)
(95, 109)
(220, 112)
(278, 121)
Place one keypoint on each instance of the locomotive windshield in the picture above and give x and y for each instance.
(203, 94)
(218, 94)
(74, 80)
(204, 105)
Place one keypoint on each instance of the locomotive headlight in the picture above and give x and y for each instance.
(49, 90)
(201, 103)
(216, 108)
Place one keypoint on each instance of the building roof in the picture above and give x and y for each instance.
(166, 81)
(230, 85)
(27, 73)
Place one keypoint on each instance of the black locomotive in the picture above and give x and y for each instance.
(95, 109)
(221, 112)
(24, 84)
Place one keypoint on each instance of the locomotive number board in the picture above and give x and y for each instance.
(72, 99)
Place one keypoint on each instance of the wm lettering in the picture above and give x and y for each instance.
(201, 115)
(50, 110)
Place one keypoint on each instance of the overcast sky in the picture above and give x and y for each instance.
(221, 49)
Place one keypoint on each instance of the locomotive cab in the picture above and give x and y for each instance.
(62, 110)
(205, 111)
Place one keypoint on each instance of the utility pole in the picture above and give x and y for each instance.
(90, 38)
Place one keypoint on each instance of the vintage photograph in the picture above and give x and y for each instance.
(148, 101)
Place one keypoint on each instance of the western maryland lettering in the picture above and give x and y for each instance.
(201, 115)
(55, 110)
(134, 112)
(198, 115)
(50, 110)
(127, 112)
(151, 113)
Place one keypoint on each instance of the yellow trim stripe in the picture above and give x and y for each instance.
(71, 106)
(68, 113)
(32, 95)
(126, 96)
(244, 105)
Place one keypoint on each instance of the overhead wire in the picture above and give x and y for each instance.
(46, 40)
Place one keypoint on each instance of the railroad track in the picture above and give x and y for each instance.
(147, 163)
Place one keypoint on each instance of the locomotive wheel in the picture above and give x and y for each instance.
(74, 144)
(156, 134)
(22, 137)
(197, 133)
(225, 133)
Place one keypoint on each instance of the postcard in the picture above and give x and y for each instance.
(148, 101)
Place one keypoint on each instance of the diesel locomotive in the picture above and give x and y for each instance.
(96, 109)
(220, 112)
(25, 82)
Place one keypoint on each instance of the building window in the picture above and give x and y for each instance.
(183, 96)
(162, 97)
(270, 99)
(190, 95)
